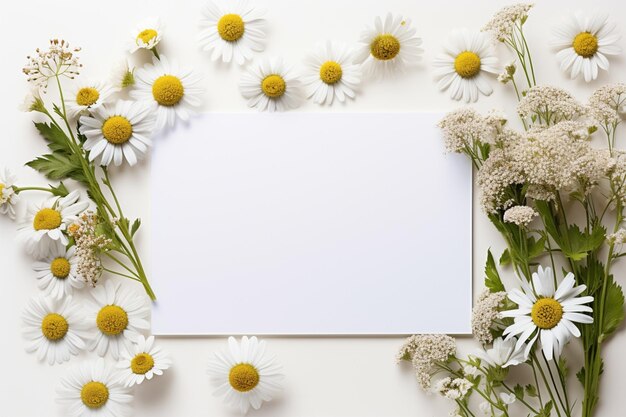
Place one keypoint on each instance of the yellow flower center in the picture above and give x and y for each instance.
(147, 35)
(142, 363)
(1, 189)
(243, 377)
(546, 313)
(467, 64)
(585, 44)
(231, 27)
(54, 326)
(112, 320)
(274, 86)
(117, 129)
(385, 47)
(47, 219)
(168, 90)
(60, 268)
(94, 394)
(331, 72)
(87, 96)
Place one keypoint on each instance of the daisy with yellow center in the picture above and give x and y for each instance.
(388, 46)
(584, 43)
(331, 73)
(244, 374)
(44, 230)
(462, 68)
(142, 362)
(91, 389)
(88, 96)
(146, 35)
(270, 86)
(54, 329)
(174, 92)
(8, 198)
(232, 30)
(119, 317)
(57, 275)
(547, 313)
(119, 132)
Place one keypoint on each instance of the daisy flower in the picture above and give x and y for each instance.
(584, 41)
(91, 389)
(87, 96)
(8, 198)
(119, 316)
(118, 132)
(462, 67)
(142, 362)
(547, 313)
(57, 275)
(173, 91)
(331, 73)
(269, 85)
(245, 374)
(232, 29)
(122, 75)
(146, 35)
(44, 229)
(503, 353)
(388, 46)
(54, 329)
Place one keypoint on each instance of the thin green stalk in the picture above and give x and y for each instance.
(546, 384)
(119, 273)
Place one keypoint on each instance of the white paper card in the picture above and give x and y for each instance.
(310, 223)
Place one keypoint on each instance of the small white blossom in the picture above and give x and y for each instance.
(508, 399)
(520, 215)
(502, 23)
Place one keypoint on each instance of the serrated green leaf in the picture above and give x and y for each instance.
(60, 190)
(531, 391)
(56, 138)
(562, 364)
(135, 227)
(535, 247)
(492, 277)
(613, 308)
(58, 167)
(580, 375)
(505, 258)
(519, 391)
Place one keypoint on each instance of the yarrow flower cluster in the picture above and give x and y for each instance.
(502, 23)
(550, 104)
(617, 238)
(486, 315)
(605, 104)
(59, 60)
(425, 351)
(465, 127)
(520, 215)
(453, 389)
(89, 243)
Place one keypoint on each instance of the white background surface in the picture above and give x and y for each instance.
(311, 224)
(332, 377)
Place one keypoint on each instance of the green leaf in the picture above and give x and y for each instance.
(58, 167)
(519, 391)
(535, 247)
(546, 410)
(580, 375)
(492, 277)
(60, 190)
(505, 258)
(613, 308)
(562, 364)
(579, 244)
(531, 391)
(56, 138)
(135, 227)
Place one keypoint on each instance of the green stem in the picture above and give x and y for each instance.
(546, 384)
(119, 273)
(18, 190)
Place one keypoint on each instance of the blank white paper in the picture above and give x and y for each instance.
(310, 223)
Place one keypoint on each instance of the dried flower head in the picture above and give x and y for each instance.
(606, 103)
(89, 244)
(520, 215)
(425, 352)
(59, 60)
(550, 105)
(503, 22)
(485, 316)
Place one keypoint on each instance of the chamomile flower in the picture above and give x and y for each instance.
(270, 85)
(54, 329)
(118, 132)
(389, 45)
(8, 198)
(173, 91)
(232, 29)
(331, 73)
(119, 317)
(57, 275)
(463, 66)
(44, 229)
(547, 313)
(143, 361)
(244, 374)
(88, 96)
(92, 389)
(584, 40)
(146, 35)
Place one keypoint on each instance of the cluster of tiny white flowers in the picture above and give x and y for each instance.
(485, 314)
(552, 103)
(508, 73)
(605, 104)
(425, 351)
(520, 215)
(618, 237)
(59, 60)
(88, 245)
(502, 23)
(617, 175)
(453, 389)
(463, 127)
(496, 174)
